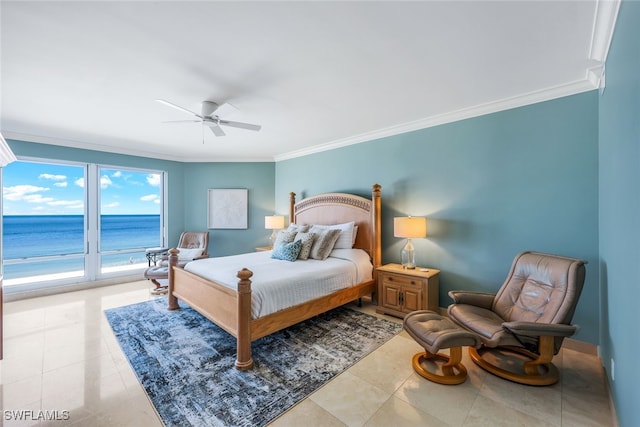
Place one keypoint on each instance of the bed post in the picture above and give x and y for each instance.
(243, 339)
(292, 203)
(173, 261)
(376, 230)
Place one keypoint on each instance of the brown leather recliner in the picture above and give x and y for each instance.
(192, 245)
(523, 325)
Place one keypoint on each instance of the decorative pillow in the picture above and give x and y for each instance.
(346, 238)
(355, 234)
(287, 251)
(324, 243)
(189, 254)
(298, 228)
(284, 236)
(307, 242)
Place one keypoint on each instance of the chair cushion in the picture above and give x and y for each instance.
(483, 322)
(435, 332)
(189, 254)
(540, 288)
(159, 272)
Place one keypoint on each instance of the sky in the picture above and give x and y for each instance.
(32, 188)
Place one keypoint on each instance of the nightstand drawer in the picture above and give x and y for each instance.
(402, 280)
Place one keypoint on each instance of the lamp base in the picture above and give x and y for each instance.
(408, 256)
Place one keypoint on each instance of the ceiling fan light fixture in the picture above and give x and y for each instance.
(212, 120)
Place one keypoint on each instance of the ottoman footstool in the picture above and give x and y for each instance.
(435, 332)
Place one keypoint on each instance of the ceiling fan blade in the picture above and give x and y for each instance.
(177, 107)
(217, 130)
(240, 125)
(225, 110)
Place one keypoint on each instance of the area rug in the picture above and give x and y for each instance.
(186, 363)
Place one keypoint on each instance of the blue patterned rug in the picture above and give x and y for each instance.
(186, 363)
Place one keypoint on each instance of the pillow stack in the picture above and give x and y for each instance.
(315, 242)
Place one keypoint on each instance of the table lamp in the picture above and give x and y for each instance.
(409, 228)
(273, 222)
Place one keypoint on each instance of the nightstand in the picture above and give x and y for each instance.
(401, 291)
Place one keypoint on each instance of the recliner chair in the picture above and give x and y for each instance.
(192, 245)
(523, 325)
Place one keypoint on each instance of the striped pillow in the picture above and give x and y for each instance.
(307, 240)
(324, 244)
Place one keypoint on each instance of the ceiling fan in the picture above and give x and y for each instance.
(210, 116)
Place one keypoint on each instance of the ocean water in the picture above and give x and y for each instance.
(27, 236)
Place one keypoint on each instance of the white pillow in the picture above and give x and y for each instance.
(298, 228)
(189, 254)
(346, 239)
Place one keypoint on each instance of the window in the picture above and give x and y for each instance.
(130, 207)
(62, 222)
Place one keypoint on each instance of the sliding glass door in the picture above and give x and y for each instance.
(65, 222)
(43, 232)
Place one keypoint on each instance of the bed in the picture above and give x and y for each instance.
(231, 307)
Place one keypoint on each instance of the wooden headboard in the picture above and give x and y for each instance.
(338, 208)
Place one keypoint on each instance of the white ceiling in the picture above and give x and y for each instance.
(315, 75)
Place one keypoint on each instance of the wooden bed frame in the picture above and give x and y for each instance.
(231, 309)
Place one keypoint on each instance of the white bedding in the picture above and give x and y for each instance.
(278, 284)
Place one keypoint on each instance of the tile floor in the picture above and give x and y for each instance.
(60, 355)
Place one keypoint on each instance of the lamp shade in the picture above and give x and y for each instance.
(274, 222)
(410, 227)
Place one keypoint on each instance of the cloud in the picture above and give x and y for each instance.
(111, 205)
(105, 181)
(19, 192)
(52, 177)
(154, 179)
(61, 184)
(150, 198)
(79, 182)
(117, 174)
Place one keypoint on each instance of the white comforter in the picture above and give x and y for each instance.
(278, 284)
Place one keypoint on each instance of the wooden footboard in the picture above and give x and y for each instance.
(225, 307)
(231, 309)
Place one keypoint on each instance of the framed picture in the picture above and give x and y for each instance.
(228, 208)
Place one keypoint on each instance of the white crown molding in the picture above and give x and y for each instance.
(604, 23)
(39, 139)
(6, 155)
(454, 116)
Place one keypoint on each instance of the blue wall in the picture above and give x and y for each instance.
(258, 178)
(492, 186)
(620, 213)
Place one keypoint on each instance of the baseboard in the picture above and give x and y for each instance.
(580, 346)
(48, 289)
